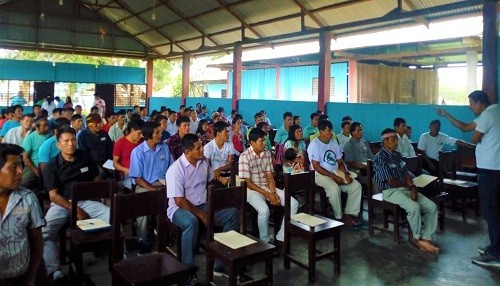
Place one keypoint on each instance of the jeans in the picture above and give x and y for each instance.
(56, 217)
(189, 223)
(489, 195)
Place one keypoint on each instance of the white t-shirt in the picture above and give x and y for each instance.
(326, 154)
(218, 157)
(488, 150)
(343, 139)
(405, 147)
(432, 145)
(13, 136)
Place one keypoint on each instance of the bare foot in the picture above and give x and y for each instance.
(424, 245)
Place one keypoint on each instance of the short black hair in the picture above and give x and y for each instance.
(160, 117)
(387, 130)
(188, 141)
(75, 117)
(135, 116)
(262, 124)
(255, 134)
(346, 118)
(219, 126)
(287, 114)
(323, 124)
(9, 149)
(14, 107)
(432, 122)
(344, 123)
(314, 114)
(290, 154)
(182, 119)
(148, 129)
(353, 126)
(57, 110)
(92, 108)
(32, 115)
(479, 96)
(134, 125)
(398, 121)
(65, 129)
(258, 114)
(236, 118)
(322, 117)
(59, 123)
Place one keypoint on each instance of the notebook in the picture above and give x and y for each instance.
(233, 239)
(423, 180)
(93, 225)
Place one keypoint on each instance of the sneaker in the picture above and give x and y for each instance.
(192, 280)
(221, 272)
(486, 260)
(57, 275)
(144, 247)
(481, 250)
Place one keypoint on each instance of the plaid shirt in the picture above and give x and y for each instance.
(174, 144)
(254, 167)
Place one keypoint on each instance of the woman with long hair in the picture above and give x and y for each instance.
(68, 103)
(203, 132)
(236, 135)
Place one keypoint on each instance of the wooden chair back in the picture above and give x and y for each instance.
(370, 173)
(95, 190)
(447, 165)
(232, 197)
(131, 206)
(466, 159)
(295, 183)
(233, 173)
(414, 164)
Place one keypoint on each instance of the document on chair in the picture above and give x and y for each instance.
(308, 219)
(233, 239)
(108, 165)
(93, 225)
(460, 183)
(423, 180)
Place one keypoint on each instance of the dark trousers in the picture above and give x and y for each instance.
(489, 195)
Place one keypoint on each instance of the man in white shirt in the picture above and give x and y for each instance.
(332, 175)
(345, 135)
(16, 135)
(430, 143)
(100, 104)
(171, 125)
(404, 144)
(194, 121)
(219, 151)
(487, 136)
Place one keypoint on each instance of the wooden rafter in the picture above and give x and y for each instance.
(420, 19)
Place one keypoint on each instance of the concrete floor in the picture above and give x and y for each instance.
(369, 260)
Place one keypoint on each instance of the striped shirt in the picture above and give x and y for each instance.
(255, 167)
(388, 165)
(22, 213)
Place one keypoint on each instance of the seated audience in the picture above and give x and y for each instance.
(31, 145)
(204, 114)
(296, 142)
(290, 165)
(345, 135)
(282, 132)
(71, 165)
(265, 127)
(171, 125)
(17, 134)
(404, 145)
(312, 128)
(21, 220)
(430, 143)
(14, 121)
(116, 130)
(194, 121)
(236, 135)
(174, 142)
(148, 164)
(203, 132)
(393, 178)
(122, 151)
(48, 149)
(219, 153)
(296, 120)
(95, 141)
(332, 175)
(256, 168)
(187, 205)
(265, 118)
(162, 120)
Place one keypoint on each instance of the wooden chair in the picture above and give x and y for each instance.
(329, 229)
(376, 201)
(432, 191)
(151, 268)
(276, 211)
(81, 241)
(235, 259)
(466, 163)
(461, 191)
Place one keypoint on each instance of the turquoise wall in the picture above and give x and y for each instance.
(295, 83)
(170, 102)
(69, 72)
(212, 104)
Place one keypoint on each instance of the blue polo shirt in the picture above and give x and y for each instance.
(7, 126)
(150, 165)
(48, 150)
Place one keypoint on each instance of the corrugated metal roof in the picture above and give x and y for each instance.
(170, 28)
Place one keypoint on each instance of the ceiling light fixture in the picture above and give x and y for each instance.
(153, 16)
(61, 2)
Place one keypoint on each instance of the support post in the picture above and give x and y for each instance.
(353, 82)
(185, 78)
(471, 70)
(237, 69)
(278, 76)
(490, 51)
(325, 62)
(149, 81)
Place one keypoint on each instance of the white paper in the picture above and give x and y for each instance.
(233, 239)
(459, 183)
(162, 181)
(423, 180)
(109, 165)
(308, 219)
(93, 224)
